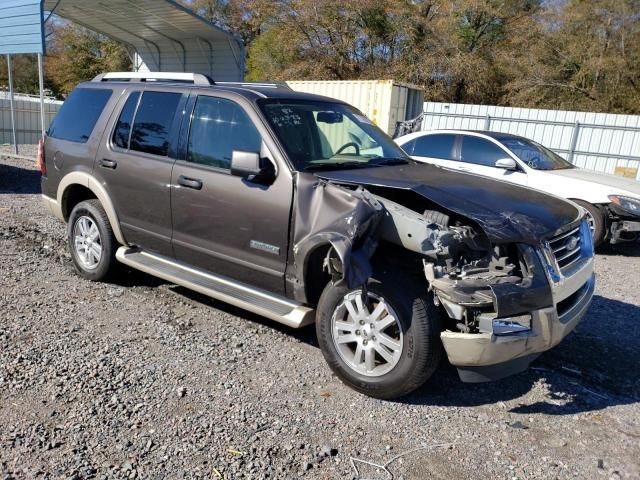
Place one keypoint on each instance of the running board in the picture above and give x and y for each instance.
(255, 300)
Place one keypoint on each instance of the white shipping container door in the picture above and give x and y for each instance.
(382, 101)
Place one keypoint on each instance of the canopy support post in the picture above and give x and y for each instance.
(12, 105)
(41, 79)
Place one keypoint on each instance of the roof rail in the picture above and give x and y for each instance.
(178, 77)
(255, 84)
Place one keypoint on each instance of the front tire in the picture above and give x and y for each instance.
(386, 348)
(596, 220)
(91, 241)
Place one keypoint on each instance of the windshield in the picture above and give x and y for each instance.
(329, 136)
(535, 155)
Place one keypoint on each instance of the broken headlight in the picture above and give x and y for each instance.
(627, 204)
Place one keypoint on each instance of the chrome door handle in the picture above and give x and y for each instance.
(194, 183)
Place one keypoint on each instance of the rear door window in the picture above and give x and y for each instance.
(218, 127)
(153, 122)
(123, 127)
(79, 114)
(435, 146)
(481, 152)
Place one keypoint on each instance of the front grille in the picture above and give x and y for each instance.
(566, 248)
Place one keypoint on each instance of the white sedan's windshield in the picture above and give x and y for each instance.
(327, 135)
(535, 155)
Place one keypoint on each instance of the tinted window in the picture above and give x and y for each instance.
(153, 121)
(123, 127)
(79, 114)
(408, 147)
(218, 127)
(481, 152)
(435, 146)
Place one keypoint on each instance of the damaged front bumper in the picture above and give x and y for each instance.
(624, 231)
(488, 356)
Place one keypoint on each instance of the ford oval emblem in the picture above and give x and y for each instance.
(572, 243)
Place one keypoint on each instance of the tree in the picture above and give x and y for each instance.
(76, 54)
(585, 56)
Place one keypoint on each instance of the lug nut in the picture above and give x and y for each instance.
(361, 322)
(357, 332)
(372, 325)
(373, 338)
(364, 342)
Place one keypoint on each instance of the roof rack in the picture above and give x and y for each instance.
(177, 77)
(255, 84)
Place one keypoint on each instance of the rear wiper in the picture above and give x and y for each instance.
(338, 166)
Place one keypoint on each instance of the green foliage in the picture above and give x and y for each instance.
(570, 54)
(76, 55)
(573, 54)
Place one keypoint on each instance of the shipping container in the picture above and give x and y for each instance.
(385, 102)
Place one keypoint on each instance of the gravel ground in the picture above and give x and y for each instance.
(143, 379)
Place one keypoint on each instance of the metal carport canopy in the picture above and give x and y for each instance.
(165, 35)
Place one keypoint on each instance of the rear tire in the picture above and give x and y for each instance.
(596, 221)
(91, 241)
(395, 372)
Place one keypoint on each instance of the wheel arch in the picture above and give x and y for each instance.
(315, 276)
(79, 186)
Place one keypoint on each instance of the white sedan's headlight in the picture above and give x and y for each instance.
(628, 204)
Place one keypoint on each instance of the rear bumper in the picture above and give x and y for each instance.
(485, 356)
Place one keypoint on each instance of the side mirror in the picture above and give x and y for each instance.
(250, 166)
(507, 164)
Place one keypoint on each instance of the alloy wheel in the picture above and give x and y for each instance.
(87, 243)
(367, 334)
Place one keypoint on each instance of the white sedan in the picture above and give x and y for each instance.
(612, 202)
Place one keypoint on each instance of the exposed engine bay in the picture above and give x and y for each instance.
(475, 278)
(466, 273)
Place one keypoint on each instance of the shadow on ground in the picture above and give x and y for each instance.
(593, 368)
(18, 180)
(627, 249)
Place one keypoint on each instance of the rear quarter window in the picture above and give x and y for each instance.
(79, 114)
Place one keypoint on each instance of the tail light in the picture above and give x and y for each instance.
(40, 163)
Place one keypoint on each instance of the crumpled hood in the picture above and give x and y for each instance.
(506, 212)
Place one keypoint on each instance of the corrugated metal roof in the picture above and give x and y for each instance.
(167, 36)
(21, 29)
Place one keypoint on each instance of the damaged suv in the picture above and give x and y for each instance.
(298, 208)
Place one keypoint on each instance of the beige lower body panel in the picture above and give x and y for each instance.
(485, 349)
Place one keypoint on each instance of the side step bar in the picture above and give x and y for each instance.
(275, 307)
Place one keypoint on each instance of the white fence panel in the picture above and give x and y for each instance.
(27, 117)
(604, 142)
